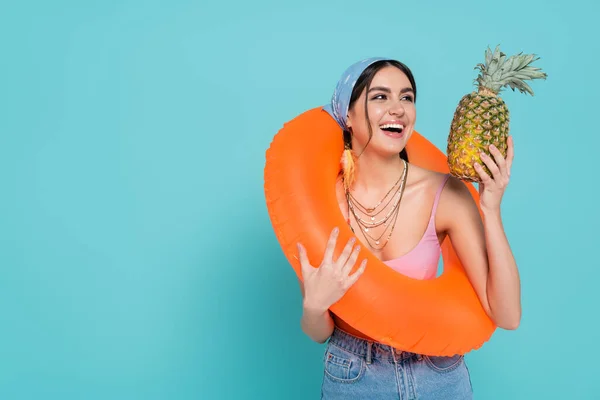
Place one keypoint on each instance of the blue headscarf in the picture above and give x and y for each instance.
(340, 101)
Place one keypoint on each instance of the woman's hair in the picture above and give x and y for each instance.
(364, 81)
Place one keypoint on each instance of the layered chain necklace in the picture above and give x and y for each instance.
(369, 219)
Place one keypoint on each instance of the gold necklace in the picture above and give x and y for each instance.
(371, 209)
(393, 213)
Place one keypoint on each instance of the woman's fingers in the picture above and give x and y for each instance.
(510, 154)
(343, 258)
(354, 277)
(500, 161)
(485, 178)
(328, 257)
(349, 264)
(305, 266)
(492, 166)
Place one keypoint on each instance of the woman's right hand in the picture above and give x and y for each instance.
(325, 285)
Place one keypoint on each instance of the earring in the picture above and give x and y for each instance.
(348, 162)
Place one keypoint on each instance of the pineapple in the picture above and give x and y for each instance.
(482, 118)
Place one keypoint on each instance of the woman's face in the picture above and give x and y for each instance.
(392, 113)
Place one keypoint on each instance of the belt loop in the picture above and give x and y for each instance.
(369, 346)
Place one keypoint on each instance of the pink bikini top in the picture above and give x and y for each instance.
(422, 261)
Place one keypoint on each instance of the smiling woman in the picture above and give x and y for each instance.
(380, 92)
(403, 213)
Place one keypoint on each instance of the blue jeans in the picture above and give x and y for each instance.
(359, 369)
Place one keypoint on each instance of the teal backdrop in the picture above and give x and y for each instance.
(137, 259)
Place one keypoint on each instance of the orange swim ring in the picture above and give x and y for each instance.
(438, 317)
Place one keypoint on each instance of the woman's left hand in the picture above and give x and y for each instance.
(491, 189)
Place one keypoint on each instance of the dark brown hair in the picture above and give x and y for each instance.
(364, 82)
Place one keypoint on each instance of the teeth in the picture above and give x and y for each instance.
(387, 126)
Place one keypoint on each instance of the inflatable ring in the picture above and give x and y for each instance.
(438, 317)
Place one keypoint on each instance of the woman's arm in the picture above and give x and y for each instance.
(484, 251)
(325, 285)
(316, 323)
(503, 283)
(482, 245)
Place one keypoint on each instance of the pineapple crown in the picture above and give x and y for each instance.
(499, 71)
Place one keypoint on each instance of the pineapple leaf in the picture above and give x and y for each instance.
(502, 58)
(527, 59)
(499, 71)
(521, 86)
(488, 56)
(481, 67)
(496, 52)
(492, 67)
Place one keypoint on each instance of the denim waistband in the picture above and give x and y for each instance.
(368, 349)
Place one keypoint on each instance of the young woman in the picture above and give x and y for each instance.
(402, 213)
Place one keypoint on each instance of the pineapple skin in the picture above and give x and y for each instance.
(479, 121)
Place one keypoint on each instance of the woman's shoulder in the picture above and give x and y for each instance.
(453, 187)
(455, 201)
(419, 176)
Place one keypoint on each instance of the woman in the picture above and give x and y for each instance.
(402, 213)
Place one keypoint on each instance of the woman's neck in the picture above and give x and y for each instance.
(376, 175)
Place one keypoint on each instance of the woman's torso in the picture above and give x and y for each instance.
(413, 248)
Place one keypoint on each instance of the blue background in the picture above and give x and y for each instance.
(137, 260)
